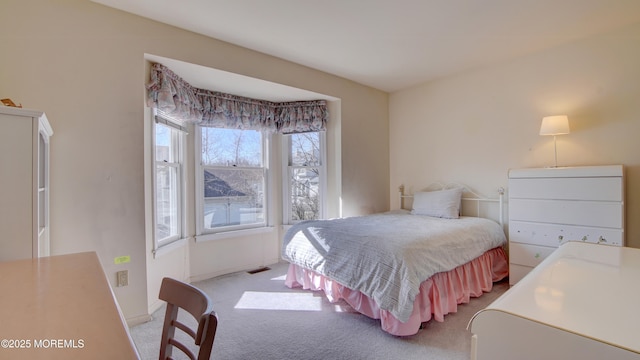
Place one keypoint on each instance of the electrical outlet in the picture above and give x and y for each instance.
(123, 278)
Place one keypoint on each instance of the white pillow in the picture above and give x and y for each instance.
(442, 203)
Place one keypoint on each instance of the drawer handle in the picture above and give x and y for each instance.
(537, 255)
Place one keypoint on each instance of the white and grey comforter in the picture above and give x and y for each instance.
(386, 256)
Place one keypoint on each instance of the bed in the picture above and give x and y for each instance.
(403, 267)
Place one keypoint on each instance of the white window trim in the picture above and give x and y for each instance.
(229, 234)
(203, 234)
(169, 247)
(286, 178)
(162, 246)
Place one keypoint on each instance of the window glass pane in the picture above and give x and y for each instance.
(42, 158)
(41, 209)
(305, 203)
(166, 201)
(163, 143)
(233, 197)
(305, 149)
(231, 147)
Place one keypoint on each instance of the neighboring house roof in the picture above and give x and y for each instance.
(216, 187)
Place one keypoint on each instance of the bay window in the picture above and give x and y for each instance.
(304, 176)
(168, 181)
(232, 179)
(232, 136)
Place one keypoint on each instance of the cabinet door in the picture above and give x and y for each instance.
(16, 187)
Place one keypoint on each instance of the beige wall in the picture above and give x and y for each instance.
(83, 64)
(473, 127)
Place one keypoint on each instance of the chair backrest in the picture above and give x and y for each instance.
(180, 295)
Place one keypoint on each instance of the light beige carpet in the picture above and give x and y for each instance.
(260, 318)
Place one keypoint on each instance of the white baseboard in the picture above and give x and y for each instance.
(155, 306)
(210, 275)
(131, 322)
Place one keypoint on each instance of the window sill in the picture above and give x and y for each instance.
(170, 247)
(234, 234)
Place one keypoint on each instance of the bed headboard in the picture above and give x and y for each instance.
(469, 197)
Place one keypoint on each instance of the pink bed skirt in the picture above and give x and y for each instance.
(439, 295)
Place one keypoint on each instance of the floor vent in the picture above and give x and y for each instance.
(255, 271)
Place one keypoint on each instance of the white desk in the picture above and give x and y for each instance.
(60, 307)
(582, 302)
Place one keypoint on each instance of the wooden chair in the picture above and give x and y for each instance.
(180, 295)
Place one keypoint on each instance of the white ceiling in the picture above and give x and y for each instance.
(391, 44)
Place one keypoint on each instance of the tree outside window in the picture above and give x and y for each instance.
(305, 176)
(233, 175)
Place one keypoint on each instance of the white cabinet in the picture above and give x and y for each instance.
(550, 206)
(24, 183)
(580, 303)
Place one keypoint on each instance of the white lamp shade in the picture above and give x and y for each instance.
(554, 125)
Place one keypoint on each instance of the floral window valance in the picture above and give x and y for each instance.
(177, 98)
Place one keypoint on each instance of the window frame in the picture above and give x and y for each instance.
(204, 234)
(287, 170)
(178, 147)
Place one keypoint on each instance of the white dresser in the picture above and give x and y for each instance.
(550, 206)
(24, 183)
(579, 303)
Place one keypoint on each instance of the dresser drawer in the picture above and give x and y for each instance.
(517, 272)
(587, 188)
(528, 255)
(553, 235)
(570, 212)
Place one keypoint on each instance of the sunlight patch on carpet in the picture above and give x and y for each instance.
(255, 300)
